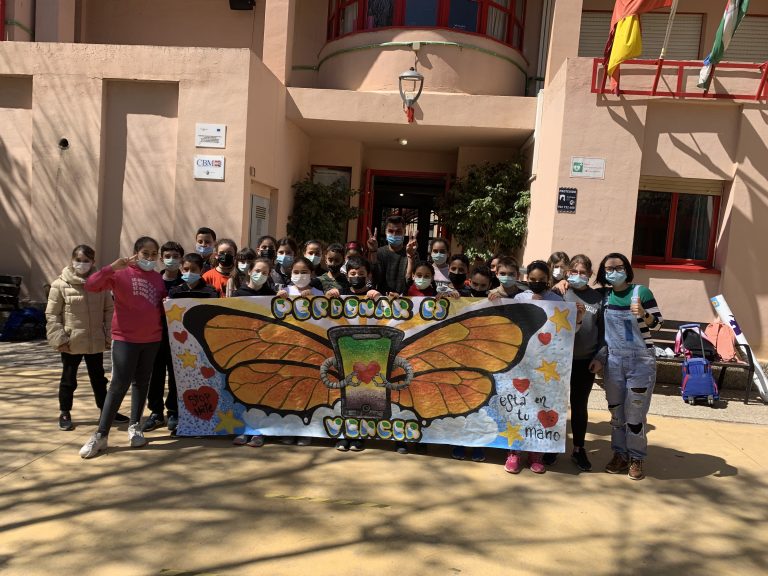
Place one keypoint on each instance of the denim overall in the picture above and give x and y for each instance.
(629, 378)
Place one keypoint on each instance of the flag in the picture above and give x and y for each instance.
(735, 10)
(625, 39)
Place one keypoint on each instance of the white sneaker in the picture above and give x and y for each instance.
(136, 436)
(96, 444)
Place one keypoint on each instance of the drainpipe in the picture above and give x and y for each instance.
(2, 20)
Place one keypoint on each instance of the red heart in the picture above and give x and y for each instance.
(207, 371)
(545, 338)
(521, 384)
(201, 403)
(366, 373)
(548, 418)
(181, 336)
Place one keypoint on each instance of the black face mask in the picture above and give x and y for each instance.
(457, 279)
(268, 253)
(479, 293)
(334, 268)
(356, 282)
(538, 287)
(226, 260)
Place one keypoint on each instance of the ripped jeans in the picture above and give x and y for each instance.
(629, 379)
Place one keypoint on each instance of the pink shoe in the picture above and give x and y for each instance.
(512, 465)
(535, 463)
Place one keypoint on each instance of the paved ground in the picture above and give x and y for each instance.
(197, 506)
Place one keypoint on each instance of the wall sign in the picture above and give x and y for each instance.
(209, 167)
(210, 135)
(566, 200)
(582, 167)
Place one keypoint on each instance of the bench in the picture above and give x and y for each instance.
(10, 288)
(665, 338)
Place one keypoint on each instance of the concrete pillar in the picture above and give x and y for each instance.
(279, 16)
(564, 40)
(55, 21)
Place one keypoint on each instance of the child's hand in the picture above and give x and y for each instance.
(332, 293)
(581, 310)
(373, 294)
(493, 295)
(561, 287)
(393, 294)
(595, 366)
(122, 263)
(282, 293)
(64, 348)
(306, 293)
(637, 309)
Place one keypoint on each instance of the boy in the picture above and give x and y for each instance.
(204, 240)
(194, 286)
(507, 272)
(391, 260)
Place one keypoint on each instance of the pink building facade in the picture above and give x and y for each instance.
(101, 103)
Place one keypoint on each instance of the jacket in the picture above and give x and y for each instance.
(76, 317)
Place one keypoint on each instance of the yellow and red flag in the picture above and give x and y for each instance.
(625, 40)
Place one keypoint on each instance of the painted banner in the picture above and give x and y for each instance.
(463, 371)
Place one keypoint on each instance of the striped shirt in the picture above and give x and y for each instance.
(623, 300)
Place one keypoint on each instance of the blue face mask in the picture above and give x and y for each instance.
(285, 260)
(190, 277)
(204, 250)
(576, 281)
(393, 240)
(614, 277)
(507, 281)
(146, 265)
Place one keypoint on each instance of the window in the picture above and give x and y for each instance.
(675, 227)
(502, 20)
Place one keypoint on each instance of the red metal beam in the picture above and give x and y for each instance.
(2, 20)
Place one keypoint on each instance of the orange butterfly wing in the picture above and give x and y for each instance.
(454, 362)
(267, 364)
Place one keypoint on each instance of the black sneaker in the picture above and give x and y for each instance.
(342, 445)
(579, 457)
(401, 447)
(549, 458)
(65, 421)
(121, 418)
(152, 422)
(356, 446)
(173, 422)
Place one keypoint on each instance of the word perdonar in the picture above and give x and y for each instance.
(353, 307)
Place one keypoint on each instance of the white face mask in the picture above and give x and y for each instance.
(258, 279)
(314, 258)
(172, 264)
(82, 267)
(300, 280)
(242, 266)
(439, 258)
(557, 273)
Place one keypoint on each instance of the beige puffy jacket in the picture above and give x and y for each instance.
(76, 317)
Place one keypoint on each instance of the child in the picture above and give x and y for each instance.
(258, 279)
(538, 284)
(480, 282)
(286, 251)
(225, 263)
(492, 266)
(558, 264)
(204, 239)
(301, 280)
(458, 267)
(351, 250)
(507, 272)
(171, 253)
(313, 252)
(334, 278)
(78, 325)
(422, 283)
(193, 284)
(244, 258)
(267, 248)
(138, 292)
(438, 256)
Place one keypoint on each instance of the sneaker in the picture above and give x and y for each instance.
(617, 465)
(356, 446)
(173, 422)
(579, 457)
(549, 458)
(636, 469)
(121, 418)
(401, 447)
(65, 421)
(136, 436)
(304, 441)
(153, 421)
(96, 444)
(256, 441)
(342, 445)
(512, 465)
(457, 453)
(478, 455)
(240, 440)
(535, 463)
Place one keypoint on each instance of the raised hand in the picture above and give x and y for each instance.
(372, 243)
(122, 263)
(412, 246)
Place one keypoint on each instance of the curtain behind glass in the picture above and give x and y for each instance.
(497, 21)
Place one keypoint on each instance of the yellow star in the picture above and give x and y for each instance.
(227, 422)
(188, 360)
(175, 313)
(512, 434)
(560, 319)
(549, 370)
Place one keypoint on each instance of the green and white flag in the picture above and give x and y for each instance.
(735, 10)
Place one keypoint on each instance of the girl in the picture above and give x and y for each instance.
(538, 284)
(630, 365)
(78, 325)
(423, 283)
(438, 256)
(492, 265)
(286, 251)
(258, 279)
(334, 278)
(239, 277)
(558, 265)
(313, 252)
(301, 280)
(138, 293)
(225, 263)
(351, 250)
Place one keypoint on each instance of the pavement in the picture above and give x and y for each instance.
(190, 506)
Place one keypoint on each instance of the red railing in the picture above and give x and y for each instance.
(682, 73)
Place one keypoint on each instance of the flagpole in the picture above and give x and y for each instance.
(660, 62)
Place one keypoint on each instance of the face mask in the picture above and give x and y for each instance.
(614, 277)
(314, 258)
(268, 253)
(507, 281)
(258, 279)
(393, 240)
(172, 263)
(479, 293)
(538, 287)
(190, 277)
(285, 260)
(204, 250)
(457, 279)
(300, 280)
(334, 268)
(146, 265)
(242, 266)
(439, 258)
(81, 267)
(557, 273)
(422, 283)
(576, 281)
(356, 282)
(226, 259)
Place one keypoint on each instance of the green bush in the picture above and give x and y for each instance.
(321, 211)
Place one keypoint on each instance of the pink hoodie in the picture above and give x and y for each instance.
(138, 302)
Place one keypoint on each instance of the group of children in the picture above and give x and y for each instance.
(613, 322)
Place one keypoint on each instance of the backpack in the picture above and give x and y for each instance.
(724, 340)
(691, 342)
